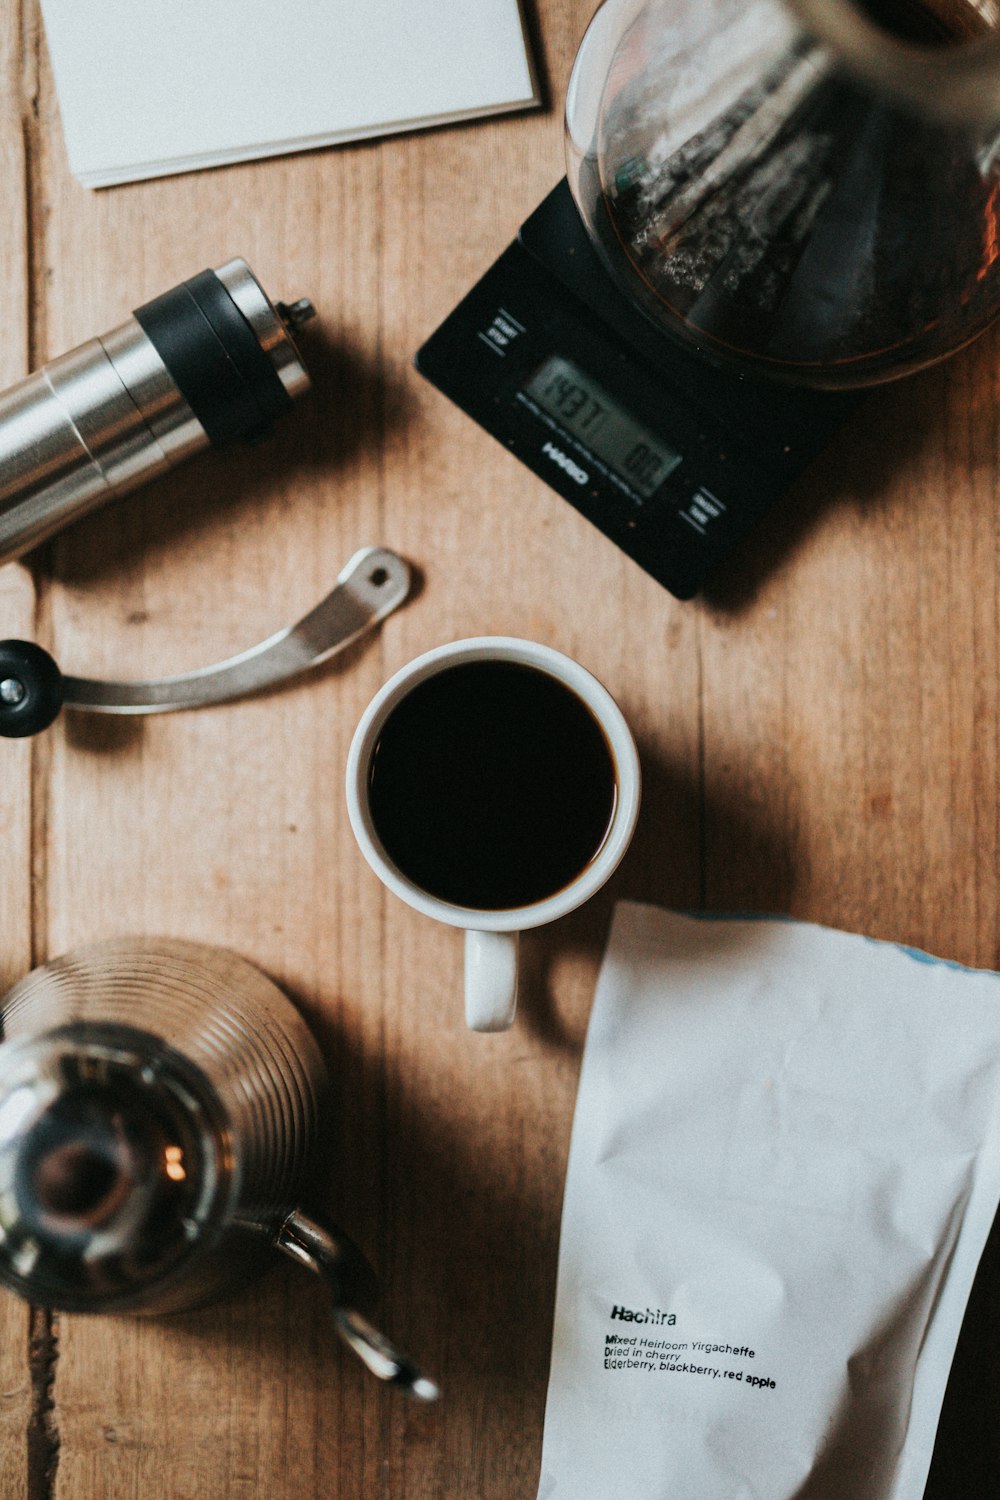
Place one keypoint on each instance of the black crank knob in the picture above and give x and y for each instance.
(31, 689)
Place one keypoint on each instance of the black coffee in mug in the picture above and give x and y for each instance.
(491, 785)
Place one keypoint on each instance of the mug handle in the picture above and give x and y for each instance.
(490, 979)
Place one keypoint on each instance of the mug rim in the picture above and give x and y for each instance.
(621, 745)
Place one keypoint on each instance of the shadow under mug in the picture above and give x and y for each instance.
(491, 936)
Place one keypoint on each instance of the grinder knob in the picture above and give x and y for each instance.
(31, 689)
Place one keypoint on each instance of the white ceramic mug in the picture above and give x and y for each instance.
(491, 936)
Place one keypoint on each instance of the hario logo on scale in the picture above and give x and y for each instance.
(578, 475)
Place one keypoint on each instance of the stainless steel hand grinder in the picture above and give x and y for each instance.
(212, 361)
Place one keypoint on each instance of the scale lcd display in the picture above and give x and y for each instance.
(580, 405)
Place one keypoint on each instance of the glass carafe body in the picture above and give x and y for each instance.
(805, 188)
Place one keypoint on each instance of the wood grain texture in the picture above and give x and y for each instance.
(851, 698)
(24, 1370)
(818, 736)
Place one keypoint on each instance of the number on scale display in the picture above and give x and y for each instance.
(581, 406)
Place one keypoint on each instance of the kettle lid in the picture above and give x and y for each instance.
(113, 1166)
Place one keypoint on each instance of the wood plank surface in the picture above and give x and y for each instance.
(818, 736)
(25, 1353)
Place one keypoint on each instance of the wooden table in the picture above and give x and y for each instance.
(819, 737)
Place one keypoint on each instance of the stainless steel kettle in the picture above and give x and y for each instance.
(159, 1103)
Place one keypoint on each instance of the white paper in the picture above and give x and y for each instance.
(149, 87)
(785, 1162)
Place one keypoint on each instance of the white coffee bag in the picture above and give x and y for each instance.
(785, 1162)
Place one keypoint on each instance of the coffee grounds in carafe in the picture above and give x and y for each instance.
(792, 230)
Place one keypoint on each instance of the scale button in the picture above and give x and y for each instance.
(501, 332)
(702, 510)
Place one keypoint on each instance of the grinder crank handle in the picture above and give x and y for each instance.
(32, 688)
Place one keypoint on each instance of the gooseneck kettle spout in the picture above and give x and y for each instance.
(324, 1253)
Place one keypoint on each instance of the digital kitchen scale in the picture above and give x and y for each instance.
(673, 458)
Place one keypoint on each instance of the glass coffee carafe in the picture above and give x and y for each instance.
(806, 188)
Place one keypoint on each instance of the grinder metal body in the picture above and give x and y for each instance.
(212, 361)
